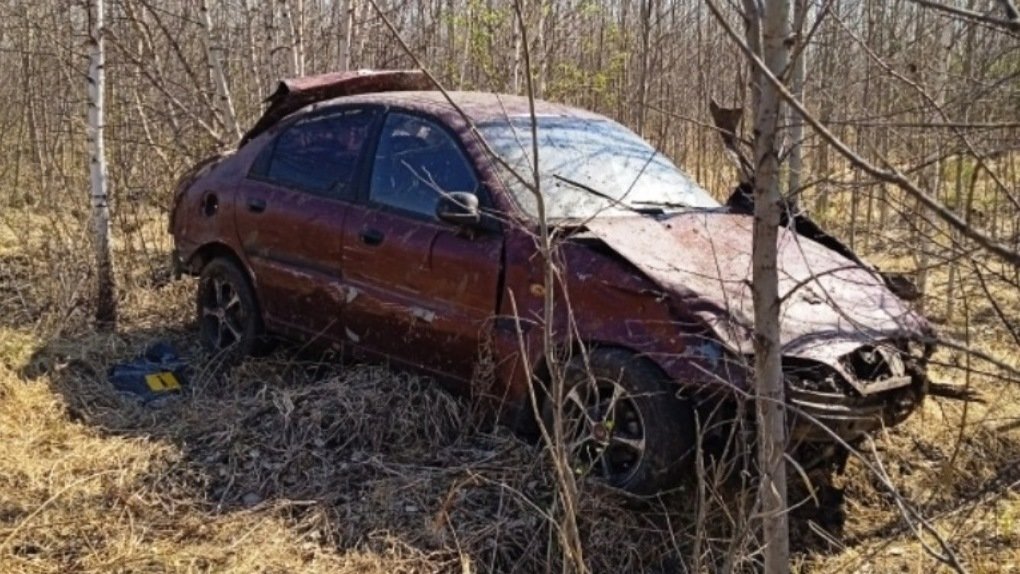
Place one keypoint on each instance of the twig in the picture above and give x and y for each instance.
(45, 505)
(1010, 25)
(889, 175)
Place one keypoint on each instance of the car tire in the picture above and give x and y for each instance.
(643, 440)
(229, 318)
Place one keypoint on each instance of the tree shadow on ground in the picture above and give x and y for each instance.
(357, 456)
(362, 457)
(354, 457)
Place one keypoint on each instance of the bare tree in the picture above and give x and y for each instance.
(293, 18)
(769, 385)
(106, 303)
(772, 21)
(797, 81)
(214, 55)
(344, 16)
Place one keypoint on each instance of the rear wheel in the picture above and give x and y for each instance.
(623, 423)
(230, 324)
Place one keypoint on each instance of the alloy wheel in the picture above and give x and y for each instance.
(223, 313)
(604, 431)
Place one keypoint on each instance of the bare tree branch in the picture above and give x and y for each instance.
(889, 175)
(1011, 11)
(1011, 25)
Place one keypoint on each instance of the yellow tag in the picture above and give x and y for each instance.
(161, 382)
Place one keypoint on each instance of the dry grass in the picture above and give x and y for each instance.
(283, 464)
(289, 463)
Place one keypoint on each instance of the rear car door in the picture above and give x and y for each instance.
(424, 291)
(290, 218)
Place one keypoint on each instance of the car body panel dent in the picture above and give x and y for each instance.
(671, 284)
(830, 305)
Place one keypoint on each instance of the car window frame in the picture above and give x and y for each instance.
(258, 169)
(489, 221)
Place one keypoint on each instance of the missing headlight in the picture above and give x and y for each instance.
(811, 376)
(874, 363)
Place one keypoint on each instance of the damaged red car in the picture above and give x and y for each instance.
(371, 213)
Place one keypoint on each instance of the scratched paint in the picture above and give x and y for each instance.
(352, 294)
(675, 289)
(423, 314)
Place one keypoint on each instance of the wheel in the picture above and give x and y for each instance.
(623, 423)
(230, 324)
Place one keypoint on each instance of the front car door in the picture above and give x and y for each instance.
(423, 291)
(290, 218)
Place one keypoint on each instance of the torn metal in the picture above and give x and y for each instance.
(830, 306)
(295, 93)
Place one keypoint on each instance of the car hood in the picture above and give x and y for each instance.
(830, 305)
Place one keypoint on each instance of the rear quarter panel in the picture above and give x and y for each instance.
(193, 225)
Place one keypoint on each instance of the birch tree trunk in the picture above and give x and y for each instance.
(516, 87)
(771, 404)
(542, 45)
(796, 124)
(214, 56)
(293, 31)
(646, 33)
(106, 300)
(299, 35)
(343, 54)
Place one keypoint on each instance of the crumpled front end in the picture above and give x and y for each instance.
(853, 352)
(825, 406)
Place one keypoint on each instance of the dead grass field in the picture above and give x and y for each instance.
(291, 464)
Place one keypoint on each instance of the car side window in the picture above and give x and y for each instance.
(318, 154)
(417, 161)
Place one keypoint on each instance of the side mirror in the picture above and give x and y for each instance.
(459, 208)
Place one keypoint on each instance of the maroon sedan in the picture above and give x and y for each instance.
(370, 213)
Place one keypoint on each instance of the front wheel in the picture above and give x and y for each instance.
(623, 422)
(230, 324)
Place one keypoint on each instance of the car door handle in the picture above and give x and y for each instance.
(256, 205)
(371, 236)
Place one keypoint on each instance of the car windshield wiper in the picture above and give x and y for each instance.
(669, 204)
(586, 187)
(614, 201)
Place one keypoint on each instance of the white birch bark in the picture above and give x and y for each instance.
(251, 13)
(296, 62)
(541, 44)
(646, 49)
(346, 14)
(106, 301)
(214, 57)
(516, 87)
(797, 86)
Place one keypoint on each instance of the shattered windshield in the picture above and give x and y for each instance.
(590, 167)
